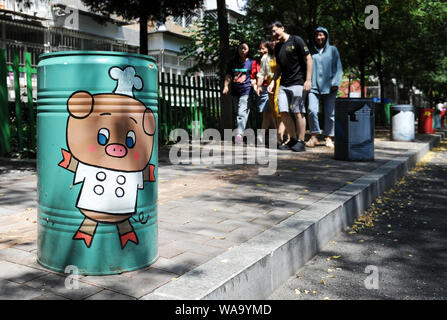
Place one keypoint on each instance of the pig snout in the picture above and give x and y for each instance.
(116, 150)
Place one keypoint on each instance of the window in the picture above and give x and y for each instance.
(172, 60)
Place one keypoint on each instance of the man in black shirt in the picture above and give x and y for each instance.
(294, 65)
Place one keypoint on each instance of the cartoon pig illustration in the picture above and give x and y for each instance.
(110, 138)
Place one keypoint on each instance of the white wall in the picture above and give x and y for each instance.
(235, 5)
(167, 41)
(109, 30)
(39, 8)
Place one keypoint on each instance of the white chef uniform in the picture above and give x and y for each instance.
(107, 191)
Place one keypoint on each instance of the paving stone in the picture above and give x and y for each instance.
(12, 291)
(18, 273)
(241, 207)
(202, 249)
(18, 256)
(181, 217)
(273, 217)
(109, 295)
(136, 284)
(206, 228)
(180, 235)
(190, 259)
(221, 243)
(27, 246)
(8, 210)
(166, 205)
(50, 296)
(173, 218)
(53, 283)
(231, 204)
(245, 233)
(234, 224)
(169, 251)
(239, 216)
(171, 266)
(163, 240)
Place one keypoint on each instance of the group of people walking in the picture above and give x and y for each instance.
(287, 73)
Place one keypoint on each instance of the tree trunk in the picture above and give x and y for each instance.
(226, 113)
(143, 35)
(313, 18)
(362, 73)
(381, 82)
(349, 86)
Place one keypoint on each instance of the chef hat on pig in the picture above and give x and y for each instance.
(127, 80)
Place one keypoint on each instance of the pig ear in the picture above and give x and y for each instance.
(149, 122)
(80, 104)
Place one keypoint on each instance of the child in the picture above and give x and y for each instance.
(239, 72)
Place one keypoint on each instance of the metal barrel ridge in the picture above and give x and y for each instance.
(97, 161)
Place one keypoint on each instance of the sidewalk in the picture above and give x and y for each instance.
(395, 251)
(225, 232)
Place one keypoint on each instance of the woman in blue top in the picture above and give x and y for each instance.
(326, 78)
(238, 73)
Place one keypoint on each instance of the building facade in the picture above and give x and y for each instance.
(40, 26)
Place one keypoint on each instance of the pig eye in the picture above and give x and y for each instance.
(130, 139)
(103, 136)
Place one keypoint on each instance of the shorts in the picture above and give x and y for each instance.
(291, 96)
(263, 101)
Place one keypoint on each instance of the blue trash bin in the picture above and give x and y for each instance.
(354, 129)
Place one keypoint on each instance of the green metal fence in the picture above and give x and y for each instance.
(190, 103)
(193, 103)
(17, 119)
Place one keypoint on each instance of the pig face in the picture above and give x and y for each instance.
(111, 131)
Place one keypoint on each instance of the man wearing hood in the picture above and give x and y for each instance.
(326, 78)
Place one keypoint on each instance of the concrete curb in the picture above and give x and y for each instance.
(20, 161)
(257, 267)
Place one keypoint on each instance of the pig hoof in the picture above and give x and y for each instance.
(130, 236)
(83, 236)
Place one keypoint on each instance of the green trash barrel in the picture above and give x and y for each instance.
(387, 107)
(97, 158)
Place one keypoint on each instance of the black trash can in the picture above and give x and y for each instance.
(354, 129)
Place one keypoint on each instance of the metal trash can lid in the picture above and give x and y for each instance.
(402, 107)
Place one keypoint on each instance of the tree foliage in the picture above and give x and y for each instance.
(205, 45)
(144, 11)
(410, 44)
(134, 9)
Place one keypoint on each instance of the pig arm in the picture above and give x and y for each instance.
(148, 174)
(68, 162)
